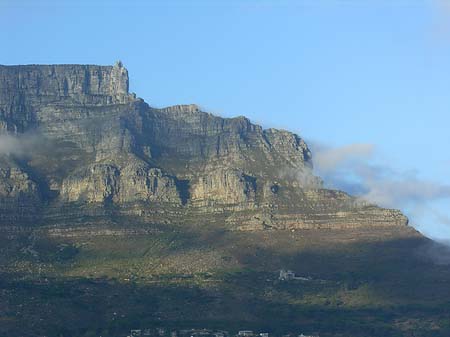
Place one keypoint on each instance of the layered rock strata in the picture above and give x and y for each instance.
(97, 150)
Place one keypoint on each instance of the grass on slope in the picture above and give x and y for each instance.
(363, 283)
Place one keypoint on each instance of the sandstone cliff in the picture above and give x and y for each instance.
(103, 151)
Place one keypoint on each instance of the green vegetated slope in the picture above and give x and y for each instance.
(361, 283)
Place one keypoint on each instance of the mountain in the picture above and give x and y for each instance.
(117, 215)
(100, 150)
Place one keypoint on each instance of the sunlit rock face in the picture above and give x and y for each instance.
(94, 148)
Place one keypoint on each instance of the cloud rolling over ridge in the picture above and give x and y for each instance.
(358, 170)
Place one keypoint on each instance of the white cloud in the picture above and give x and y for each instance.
(355, 169)
(9, 144)
(329, 158)
(18, 145)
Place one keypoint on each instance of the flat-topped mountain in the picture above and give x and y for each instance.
(97, 150)
(115, 215)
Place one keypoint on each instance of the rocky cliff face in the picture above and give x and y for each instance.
(24, 90)
(101, 150)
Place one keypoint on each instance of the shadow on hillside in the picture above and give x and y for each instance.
(393, 271)
(399, 270)
(81, 307)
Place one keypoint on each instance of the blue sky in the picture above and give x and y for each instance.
(365, 80)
